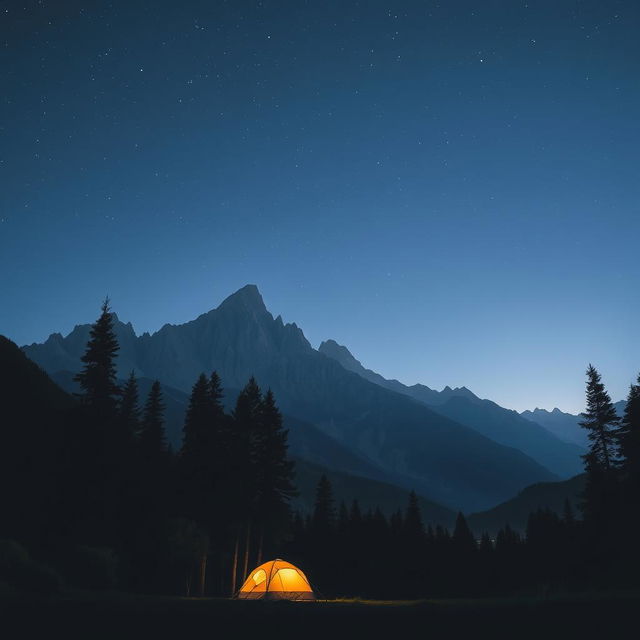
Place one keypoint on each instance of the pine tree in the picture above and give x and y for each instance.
(197, 464)
(413, 525)
(101, 458)
(247, 419)
(324, 515)
(412, 549)
(216, 394)
(629, 439)
(197, 421)
(274, 473)
(274, 469)
(153, 441)
(601, 420)
(463, 540)
(98, 376)
(129, 408)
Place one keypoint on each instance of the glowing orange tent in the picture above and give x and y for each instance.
(276, 580)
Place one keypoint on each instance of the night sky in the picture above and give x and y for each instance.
(451, 189)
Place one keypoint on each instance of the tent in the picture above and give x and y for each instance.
(276, 580)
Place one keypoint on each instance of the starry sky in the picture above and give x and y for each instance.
(451, 188)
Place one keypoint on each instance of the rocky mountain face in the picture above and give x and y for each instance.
(484, 416)
(415, 446)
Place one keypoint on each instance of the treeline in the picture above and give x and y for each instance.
(124, 510)
(92, 489)
(350, 553)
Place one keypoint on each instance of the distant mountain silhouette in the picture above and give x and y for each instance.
(502, 425)
(515, 512)
(419, 392)
(565, 425)
(415, 446)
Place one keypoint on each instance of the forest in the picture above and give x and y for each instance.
(93, 497)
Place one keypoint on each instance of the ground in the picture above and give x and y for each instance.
(117, 616)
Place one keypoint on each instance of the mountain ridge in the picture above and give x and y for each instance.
(419, 448)
(566, 425)
(488, 418)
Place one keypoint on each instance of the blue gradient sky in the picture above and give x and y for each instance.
(450, 189)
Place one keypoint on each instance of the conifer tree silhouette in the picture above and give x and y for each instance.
(153, 440)
(129, 408)
(629, 440)
(601, 421)
(98, 376)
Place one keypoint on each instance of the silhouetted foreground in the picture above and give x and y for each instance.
(117, 616)
(93, 498)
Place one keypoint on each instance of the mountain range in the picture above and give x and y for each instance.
(484, 416)
(454, 448)
(34, 406)
(565, 426)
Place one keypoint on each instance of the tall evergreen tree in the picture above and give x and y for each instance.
(216, 394)
(462, 539)
(413, 525)
(601, 420)
(98, 376)
(196, 427)
(153, 440)
(129, 408)
(247, 422)
(148, 497)
(629, 439)
(324, 514)
(274, 469)
(629, 450)
(273, 472)
(98, 472)
(201, 461)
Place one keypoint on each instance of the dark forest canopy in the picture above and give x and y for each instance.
(93, 491)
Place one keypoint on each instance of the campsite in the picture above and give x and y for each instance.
(319, 318)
